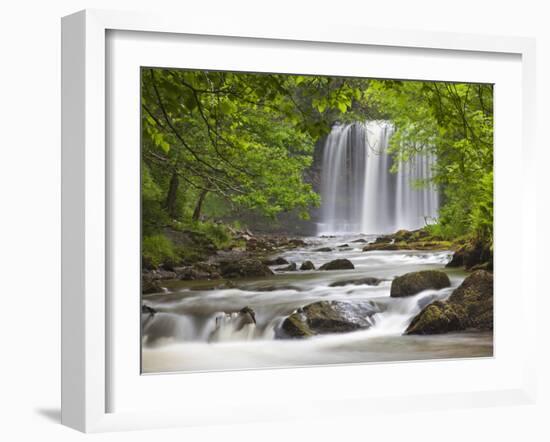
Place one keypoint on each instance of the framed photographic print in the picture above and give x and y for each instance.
(291, 211)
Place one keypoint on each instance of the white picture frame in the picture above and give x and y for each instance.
(87, 208)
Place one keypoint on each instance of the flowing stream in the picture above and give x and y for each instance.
(194, 329)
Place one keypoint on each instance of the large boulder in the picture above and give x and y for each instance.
(416, 282)
(470, 306)
(244, 268)
(324, 317)
(338, 264)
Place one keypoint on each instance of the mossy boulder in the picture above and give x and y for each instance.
(415, 282)
(338, 264)
(307, 265)
(328, 317)
(245, 268)
(473, 256)
(438, 317)
(470, 307)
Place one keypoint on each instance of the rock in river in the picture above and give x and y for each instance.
(244, 268)
(307, 265)
(338, 264)
(323, 249)
(275, 262)
(150, 285)
(369, 280)
(470, 306)
(292, 267)
(329, 317)
(415, 282)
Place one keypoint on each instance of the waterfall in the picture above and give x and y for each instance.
(359, 194)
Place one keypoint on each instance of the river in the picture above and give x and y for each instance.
(190, 331)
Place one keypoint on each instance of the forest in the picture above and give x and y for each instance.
(222, 150)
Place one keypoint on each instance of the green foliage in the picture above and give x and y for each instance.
(454, 122)
(240, 140)
(218, 143)
(218, 233)
(158, 249)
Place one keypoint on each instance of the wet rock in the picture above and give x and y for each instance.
(162, 274)
(244, 269)
(329, 317)
(473, 256)
(292, 267)
(470, 307)
(343, 245)
(307, 265)
(438, 317)
(236, 321)
(361, 281)
(146, 309)
(270, 287)
(383, 240)
(338, 264)
(416, 282)
(457, 259)
(150, 285)
(295, 242)
(249, 316)
(200, 270)
(361, 240)
(275, 262)
(323, 249)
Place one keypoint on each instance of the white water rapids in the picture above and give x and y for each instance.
(358, 191)
(192, 332)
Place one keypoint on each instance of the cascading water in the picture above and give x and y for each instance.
(359, 193)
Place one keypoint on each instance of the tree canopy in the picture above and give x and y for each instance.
(219, 142)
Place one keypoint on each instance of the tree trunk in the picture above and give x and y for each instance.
(198, 207)
(171, 197)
